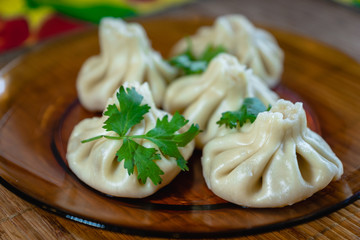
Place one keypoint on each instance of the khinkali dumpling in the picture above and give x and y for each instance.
(254, 47)
(202, 98)
(125, 55)
(278, 161)
(95, 162)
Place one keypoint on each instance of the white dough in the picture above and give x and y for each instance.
(95, 162)
(125, 55)
(277, 161)
(202, 98)
(254, 47)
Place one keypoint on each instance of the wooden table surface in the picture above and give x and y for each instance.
(325, 21)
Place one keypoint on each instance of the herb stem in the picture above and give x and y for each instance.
(112, 138)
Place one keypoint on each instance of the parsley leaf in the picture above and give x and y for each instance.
(190, 65)
(164, 135)
(211, 52)
(131, 112)
(143, 158)
(249, 110)
(168, 142)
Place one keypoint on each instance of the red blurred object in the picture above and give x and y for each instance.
(13, 33)
(16, 32)
(57, 24)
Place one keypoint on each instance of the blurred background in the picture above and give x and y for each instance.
(26, 22)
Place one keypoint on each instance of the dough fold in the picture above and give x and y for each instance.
(254, 47)
(95, 162)
(277, 161)
(202, 98)
(125, 56)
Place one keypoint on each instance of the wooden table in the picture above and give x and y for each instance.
(322, 20)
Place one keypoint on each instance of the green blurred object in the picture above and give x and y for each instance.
(351, 3)
(88, 11)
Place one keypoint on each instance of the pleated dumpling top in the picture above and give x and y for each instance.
(202, 98)
(125, 56)
(95, 162)
(277, 161)
(254, 47)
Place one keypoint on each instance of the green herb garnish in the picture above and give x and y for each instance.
(163, 135)
(249, 110)
(188, 62)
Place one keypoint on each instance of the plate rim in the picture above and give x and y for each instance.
(153, 233)
(141, 232)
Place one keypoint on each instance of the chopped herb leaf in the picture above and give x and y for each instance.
(190, 65)
(163, 135)
(249, 110)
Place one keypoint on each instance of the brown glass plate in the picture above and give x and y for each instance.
(39, 107)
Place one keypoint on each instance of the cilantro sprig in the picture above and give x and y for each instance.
(163, 135)
(190, 64)
(249, 110)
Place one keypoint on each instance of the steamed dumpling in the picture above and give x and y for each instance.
(254, 47)
(202, 98)
(278, 161)
(126, 55)
(95, 162)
